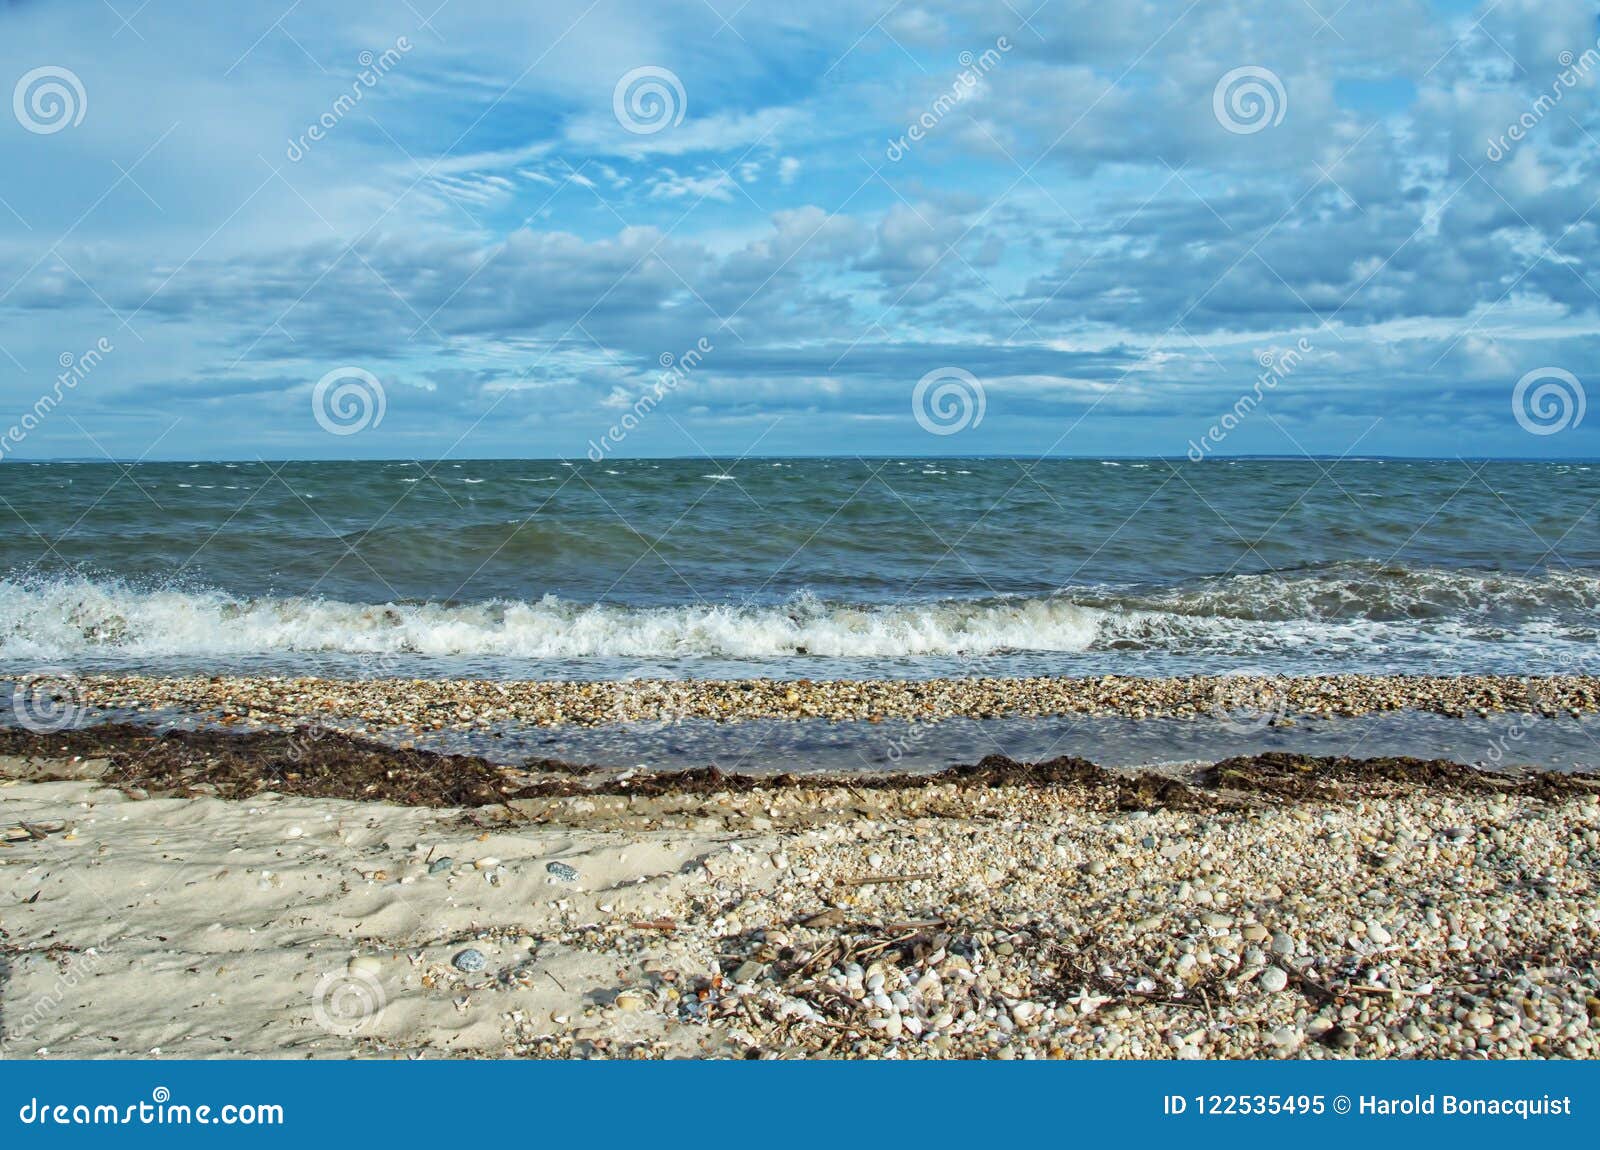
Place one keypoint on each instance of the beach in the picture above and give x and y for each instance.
(420, 705)
(820, 757)
(212, 894)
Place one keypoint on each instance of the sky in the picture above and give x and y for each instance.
(446, 228)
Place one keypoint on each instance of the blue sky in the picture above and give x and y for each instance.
(1090, 227)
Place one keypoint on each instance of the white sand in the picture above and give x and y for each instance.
(198, 927)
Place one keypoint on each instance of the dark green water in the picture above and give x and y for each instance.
(816, 567)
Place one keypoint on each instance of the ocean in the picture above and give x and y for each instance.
(819, 568)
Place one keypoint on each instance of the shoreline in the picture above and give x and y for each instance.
(428, 705)
(1335, 910)
(324, 763)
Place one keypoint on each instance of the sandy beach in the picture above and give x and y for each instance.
(208, 896)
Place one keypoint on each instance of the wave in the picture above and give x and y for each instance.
(1370, 607)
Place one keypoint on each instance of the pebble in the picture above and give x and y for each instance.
(1253, 897)
(470, 961)
(440, 865)
(561, 871)
(378, 704)
(1339, 1038)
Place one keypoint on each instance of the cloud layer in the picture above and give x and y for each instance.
(1070, 205)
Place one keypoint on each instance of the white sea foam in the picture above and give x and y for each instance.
(1312, 616)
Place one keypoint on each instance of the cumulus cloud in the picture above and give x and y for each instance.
(1088, 235)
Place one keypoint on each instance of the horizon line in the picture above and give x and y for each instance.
(1278, 457)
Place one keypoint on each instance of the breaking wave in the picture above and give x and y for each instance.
(1319, 611)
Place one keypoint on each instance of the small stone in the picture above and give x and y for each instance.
(561, 871)
(1378, 934)
(748, 971)
(1095, 867)
(1339, 1038)
(1273, 979)
(1282, 944)
(1255, 932)
(440, 865)
(469, 961)
(823, 919)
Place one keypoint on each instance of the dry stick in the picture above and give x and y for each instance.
(884, 944)
(817, 957)
(871, 881)
(897, 927)
(1317, 991)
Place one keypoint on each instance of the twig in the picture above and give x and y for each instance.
(874, 879)
(896, 927)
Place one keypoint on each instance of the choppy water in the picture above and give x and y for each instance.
(820, 568)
